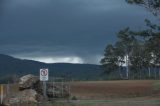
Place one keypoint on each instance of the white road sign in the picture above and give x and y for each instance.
(44, 73)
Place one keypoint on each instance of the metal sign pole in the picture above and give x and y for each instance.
(8, 89)
(44, 90)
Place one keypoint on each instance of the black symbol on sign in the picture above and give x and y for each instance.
(44, 72)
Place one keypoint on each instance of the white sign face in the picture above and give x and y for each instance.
(44, 74)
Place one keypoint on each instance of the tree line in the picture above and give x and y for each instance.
(136, 52)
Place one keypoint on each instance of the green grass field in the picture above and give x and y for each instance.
(152, 102)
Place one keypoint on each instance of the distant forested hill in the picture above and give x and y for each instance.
(14, 66)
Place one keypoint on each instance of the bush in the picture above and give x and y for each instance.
(156, 85)
(74, 98)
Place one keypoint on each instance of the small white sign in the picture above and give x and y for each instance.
(44, 73)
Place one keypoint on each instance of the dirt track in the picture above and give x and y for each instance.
(114, 89)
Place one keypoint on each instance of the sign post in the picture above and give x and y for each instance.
(44, 73)
(1, 92)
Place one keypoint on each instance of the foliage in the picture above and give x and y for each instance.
(137, 50)
(9, 79)
(156, 86)
(152, 5)
(110, 60)
(74, 98)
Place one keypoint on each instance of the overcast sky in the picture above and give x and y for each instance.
(74, 31)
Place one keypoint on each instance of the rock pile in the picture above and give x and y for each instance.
(29, 91)
(31, 82)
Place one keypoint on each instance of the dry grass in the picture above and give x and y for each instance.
(112, 89)
(108, 89)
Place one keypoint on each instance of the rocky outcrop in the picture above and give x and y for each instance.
(28, 82)
(26, 96)
(31, 90)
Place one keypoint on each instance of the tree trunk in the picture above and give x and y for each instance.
(120, 74)
(127, 67)
(155, 74)
(159, 73)
(149, 72)
(120, 70)
(140, 76)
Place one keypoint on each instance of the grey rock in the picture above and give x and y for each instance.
(25, 96)
(28, 82)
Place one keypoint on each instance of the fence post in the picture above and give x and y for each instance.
(1, 92)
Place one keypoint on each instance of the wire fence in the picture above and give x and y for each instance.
(59, 82)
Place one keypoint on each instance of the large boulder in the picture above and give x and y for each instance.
(28, 82)
(25, 96)
(31, 90)
(57, 91)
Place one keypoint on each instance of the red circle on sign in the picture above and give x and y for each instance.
(44, 72)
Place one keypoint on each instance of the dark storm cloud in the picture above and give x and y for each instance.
(2, 6)
(82, 28)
